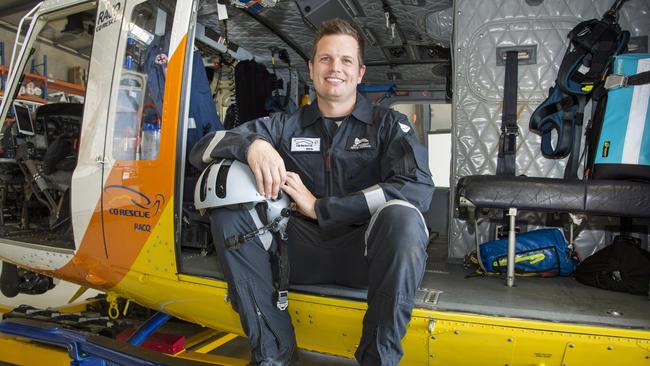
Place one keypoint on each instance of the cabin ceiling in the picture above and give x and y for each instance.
(417, 54)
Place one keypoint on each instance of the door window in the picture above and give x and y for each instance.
(137, 128)
(432, 124)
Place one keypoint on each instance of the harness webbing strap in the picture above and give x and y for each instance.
(280, 257)
(282, 280)
(559, 118)
(509, 129)
(544, 111)
(571, 169)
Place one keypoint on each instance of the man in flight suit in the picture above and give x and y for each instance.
(359, 181)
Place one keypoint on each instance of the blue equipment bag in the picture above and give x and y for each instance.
(623, 150)
(542, 252)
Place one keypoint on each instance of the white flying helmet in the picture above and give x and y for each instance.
(230, 183)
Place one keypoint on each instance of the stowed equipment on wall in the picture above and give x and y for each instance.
(619, 137)
(592, 44)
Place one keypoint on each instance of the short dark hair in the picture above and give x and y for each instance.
(339, 26)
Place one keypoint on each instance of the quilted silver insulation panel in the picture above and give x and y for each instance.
(482, 26)
(439, 26)
(411, 20)
(416, 26)
(247, 32)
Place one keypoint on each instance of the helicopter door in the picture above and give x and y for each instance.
(140, 144)
(86, 188)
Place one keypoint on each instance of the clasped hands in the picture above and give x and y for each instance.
(271, 176)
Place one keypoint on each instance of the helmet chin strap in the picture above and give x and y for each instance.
(274, 226)
(281, 274)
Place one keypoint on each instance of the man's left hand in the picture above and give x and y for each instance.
(303, 198)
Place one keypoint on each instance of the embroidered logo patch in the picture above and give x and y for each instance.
(305, 144)
(360, 143)
(404, 127)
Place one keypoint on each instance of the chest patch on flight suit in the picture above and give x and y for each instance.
(305, 144)
(360, 144)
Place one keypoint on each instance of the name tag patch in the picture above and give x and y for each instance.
(305, 144)
(360, 144)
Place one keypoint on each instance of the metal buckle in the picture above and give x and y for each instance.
(283, 300)
(509, 139)
(514, 130)
(615, 81)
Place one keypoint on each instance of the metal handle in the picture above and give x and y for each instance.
(99, 160)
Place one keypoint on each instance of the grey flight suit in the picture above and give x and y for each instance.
(372, 183)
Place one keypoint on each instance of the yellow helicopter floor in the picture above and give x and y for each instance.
(447, 338)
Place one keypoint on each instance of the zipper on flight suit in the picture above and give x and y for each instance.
(328, 156)
(328, 169)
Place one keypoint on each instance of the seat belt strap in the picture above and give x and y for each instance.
(509, 129)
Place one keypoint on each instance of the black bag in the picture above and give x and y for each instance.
(622, 266)
(253, 86)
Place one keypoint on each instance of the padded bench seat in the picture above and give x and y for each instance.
(593, 197)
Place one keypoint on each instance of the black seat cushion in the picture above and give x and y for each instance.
(595, 197)
(524, 193)
(625, 198)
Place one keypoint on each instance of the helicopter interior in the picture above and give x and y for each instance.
(410, 46)
(418, 60)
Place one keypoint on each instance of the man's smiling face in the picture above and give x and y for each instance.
(335, 68)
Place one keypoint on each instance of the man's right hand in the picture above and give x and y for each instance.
(267, 166)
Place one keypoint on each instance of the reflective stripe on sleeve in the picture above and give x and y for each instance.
(374, 197)
(213, 143)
